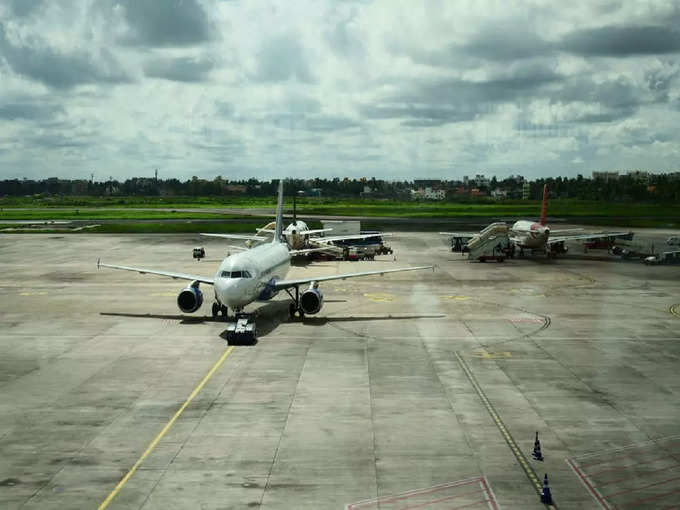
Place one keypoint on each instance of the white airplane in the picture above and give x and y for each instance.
(257, 274)
(299, 237)
(536, 236)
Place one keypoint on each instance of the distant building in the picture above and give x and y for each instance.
(428, 194)
(427, 183)
(526, 190)
(480, 180)
(639, 175)
(499, 193)
(606, 176)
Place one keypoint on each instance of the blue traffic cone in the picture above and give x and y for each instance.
(546, 496)
(537, 455)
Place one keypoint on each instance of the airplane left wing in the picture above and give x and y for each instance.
(285, 284)
(176, 276)
(584, 237)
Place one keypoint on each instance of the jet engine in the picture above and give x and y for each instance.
(190, 299)
(311, 300)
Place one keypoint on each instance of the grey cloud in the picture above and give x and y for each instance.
(342, 40)
(282, 58)
(621, 41)
(617, 99)
(57, 69)
(184, 69)
(23, 8)
(300, 103)
(54, 141)
(166, 22)
(434, 103)
(29, 109)
(314, 123)
(506, 42)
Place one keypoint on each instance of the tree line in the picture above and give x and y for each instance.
(664, 187)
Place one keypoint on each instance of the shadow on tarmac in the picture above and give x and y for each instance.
(271, 315)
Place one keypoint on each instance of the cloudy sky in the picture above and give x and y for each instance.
(391, 89)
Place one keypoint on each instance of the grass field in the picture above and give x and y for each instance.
(106, 214)
(141, 208)
(141, 228)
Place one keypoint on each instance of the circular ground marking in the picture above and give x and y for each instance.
(675, 310)
(379, 297)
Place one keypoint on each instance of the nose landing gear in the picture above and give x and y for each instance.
(218, 308)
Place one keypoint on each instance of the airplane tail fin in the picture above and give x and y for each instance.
(294, 212)
(544, 205)
(278, 234)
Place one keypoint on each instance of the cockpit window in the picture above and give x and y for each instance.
(235, 274)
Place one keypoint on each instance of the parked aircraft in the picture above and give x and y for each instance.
(538, 237)
(298, 236)
(257, 274)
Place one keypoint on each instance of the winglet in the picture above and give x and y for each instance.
(279, 216)
(98, 262)
(544, 205)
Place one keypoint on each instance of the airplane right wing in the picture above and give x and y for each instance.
(285, 284)
(585, 237)
(169, 274)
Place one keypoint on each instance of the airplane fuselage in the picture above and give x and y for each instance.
(247, 276)
(296, 241)
(530, 235)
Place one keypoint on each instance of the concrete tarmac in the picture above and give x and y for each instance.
(420, 389)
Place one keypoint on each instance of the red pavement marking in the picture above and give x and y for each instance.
(410, 494)
(440, 500)
(586, 482)
(489, 494)
(627, 454)
(640, 475)
(484, 488)
(651, 498)
(643, 487)
(619, 468)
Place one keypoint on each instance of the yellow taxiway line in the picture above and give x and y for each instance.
(165, 429)
(528, 470)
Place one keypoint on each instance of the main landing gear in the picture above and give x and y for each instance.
(295, 308)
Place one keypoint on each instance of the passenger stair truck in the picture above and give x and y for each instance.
(492, 243)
